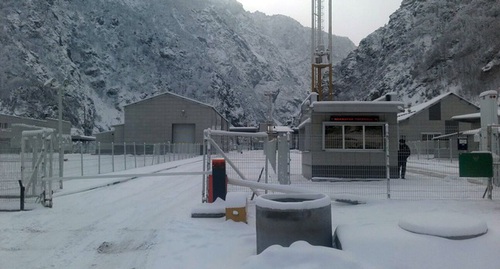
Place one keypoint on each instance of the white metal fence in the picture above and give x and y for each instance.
(86, 159)
(426, 178)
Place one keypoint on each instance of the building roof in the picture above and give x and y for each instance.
(33, 119)
(414, 110)
(178, 96)
(173, 94)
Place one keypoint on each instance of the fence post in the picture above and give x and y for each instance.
(125, 156)
(153, 156)
(21, 200)
(159, 154)
(33, 166)
(451, 150)
(23, 148)
(112, 156)
(169, 151)
(176, 151)
(98, 158)
(387, 162)
(205, 157)
(144, 153)
(135, 156)
(51, 156)
(81, 157)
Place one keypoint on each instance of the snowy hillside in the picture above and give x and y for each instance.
(428, 47)
(114, 52)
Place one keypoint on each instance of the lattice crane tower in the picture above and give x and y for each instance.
(320, 53)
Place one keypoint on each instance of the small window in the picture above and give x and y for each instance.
(450, 126)
(374, 136)
(353, 137)
(333, 137)
(435, 112)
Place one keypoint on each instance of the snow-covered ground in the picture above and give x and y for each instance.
(146, 223)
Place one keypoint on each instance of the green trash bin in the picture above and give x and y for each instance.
(475, 164)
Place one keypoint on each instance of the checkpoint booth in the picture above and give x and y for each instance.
(349, 139)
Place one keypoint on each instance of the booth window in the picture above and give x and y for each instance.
(352, 136)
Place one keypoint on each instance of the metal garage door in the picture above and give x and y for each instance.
(183, 133)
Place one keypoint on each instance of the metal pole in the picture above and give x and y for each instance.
(490, 149)
(451, 150)
(169, 151)
(144, 152)
(23, 148)
(81, 157)
(203, 191)
(135, 156)
(34, 166)
(112, 156)
(21, 200)
(98, 157)
(125, 155)
(313, 32)
(387, 162)
(61, 150)
(153, 155)
(330, 33)
(51, 154)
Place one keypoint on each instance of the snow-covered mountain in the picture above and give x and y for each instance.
(109, 53)
(428, 47)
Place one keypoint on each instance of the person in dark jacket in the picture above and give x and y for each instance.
(403, 154)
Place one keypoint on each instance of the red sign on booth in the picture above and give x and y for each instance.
(355, 118)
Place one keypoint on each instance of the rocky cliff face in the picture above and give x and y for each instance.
(109, 53)
(427, 48)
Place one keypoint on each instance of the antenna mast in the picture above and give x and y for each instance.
(320, 54)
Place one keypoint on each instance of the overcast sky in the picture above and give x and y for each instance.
(352, 18)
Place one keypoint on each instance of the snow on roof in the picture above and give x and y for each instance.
(24, 125)
(418, 108)
(282, 129)
(488, 93)
(32, 119)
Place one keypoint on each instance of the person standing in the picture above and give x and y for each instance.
(403, 154)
